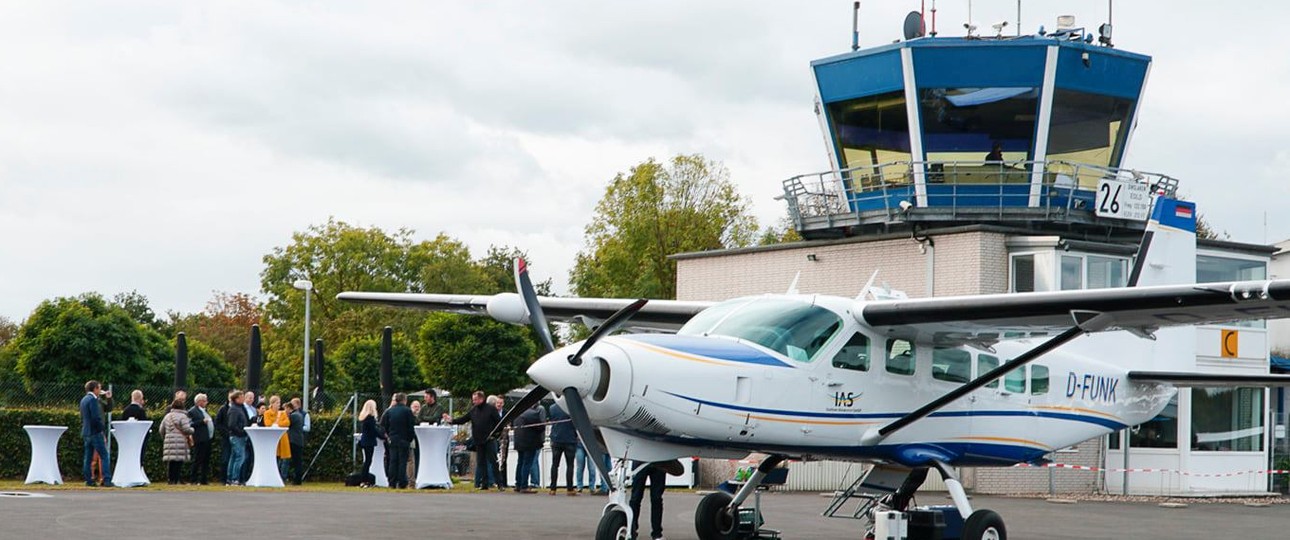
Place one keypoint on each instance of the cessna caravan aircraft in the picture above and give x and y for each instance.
(910, 384)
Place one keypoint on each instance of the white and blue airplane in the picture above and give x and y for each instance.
(910, 384)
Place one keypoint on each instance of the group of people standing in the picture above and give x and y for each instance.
(188, 433)
(397, 428)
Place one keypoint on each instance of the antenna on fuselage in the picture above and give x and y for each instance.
(792, 287)
(868, 285)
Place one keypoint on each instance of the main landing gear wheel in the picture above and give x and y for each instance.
(712, 520)
(984, 525)
(613, 526)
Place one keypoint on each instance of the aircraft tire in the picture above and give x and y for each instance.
(711, 521)
(984, 525)
(613, 526)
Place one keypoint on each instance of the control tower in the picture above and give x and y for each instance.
(932, 132)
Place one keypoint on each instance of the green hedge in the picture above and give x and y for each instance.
(332, 465)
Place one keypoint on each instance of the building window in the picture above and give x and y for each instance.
(1087, 129)
(951, 364)
(966, 127)
(985, 363)
(1072, 273)
(1106, 272)
(873, 134)
(1023, 273)
(1158, 432)
(1211, 269)
(1227, 419)
(854, 355)
(900, 357)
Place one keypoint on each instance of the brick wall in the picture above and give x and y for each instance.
(1035, 479)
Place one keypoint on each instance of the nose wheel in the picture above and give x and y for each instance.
(714, 519)
(613, 526)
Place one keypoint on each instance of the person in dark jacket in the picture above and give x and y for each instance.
(371, 435)
(203, 432)
(483, 418)
(92, 434)
(296, 439)
(221, 433)
(400, 428)
(657, 479)
(564, 442)
(237, 423)
(529, 435)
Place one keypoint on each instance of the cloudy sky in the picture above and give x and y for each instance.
(166, 147)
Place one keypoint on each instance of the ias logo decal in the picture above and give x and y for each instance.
(845, 399)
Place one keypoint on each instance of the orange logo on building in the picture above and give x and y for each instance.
(1230, 344)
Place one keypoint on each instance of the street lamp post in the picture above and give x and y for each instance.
(306, 286)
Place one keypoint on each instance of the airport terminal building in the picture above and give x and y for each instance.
(968, 166)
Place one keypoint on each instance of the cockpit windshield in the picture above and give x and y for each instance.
(794, 328)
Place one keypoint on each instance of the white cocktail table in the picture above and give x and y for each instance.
(129, 447)
(264, 472)
(432, 442)
(44, 454)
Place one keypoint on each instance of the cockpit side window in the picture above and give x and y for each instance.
(793, 328)
(854, 355)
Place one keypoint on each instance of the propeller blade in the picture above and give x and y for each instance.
(611, 325)
(586, 431)
(524, 404)
(536, 318)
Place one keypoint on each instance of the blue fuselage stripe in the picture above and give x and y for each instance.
(717, 348)
(1104, 422)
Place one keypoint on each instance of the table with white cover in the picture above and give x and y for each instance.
(44, 454)
(378, 461)
(432, 442)
(129, 443)
(264, 472)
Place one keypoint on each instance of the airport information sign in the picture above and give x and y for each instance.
(1123, 200)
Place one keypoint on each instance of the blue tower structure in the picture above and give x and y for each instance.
(943, 131)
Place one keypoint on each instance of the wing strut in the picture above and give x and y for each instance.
(1085, 321)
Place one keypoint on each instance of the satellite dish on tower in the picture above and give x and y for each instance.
(914, 25)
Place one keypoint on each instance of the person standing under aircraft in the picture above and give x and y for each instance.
(529, 435)
(564, 442)
(92, 434)
(657, 483)
(483, 419)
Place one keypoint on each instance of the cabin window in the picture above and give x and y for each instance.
(985, 363)
(854, 355)
(1015, 381)
(900, 357)
(951, 364)
(1038, 380)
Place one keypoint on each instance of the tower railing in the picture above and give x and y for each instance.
(978, 190)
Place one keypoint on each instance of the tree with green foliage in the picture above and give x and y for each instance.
(8, 330)
(137, 305)
(656, 210)
(71, 340)
(462, 353)
(224, 325)
(361, 356)
(207, 367)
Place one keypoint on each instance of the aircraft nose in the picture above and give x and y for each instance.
(554, 372)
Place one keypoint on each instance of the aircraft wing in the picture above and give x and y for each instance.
(657, 315)
(989, 318)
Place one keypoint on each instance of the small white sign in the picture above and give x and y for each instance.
(1123, 200)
